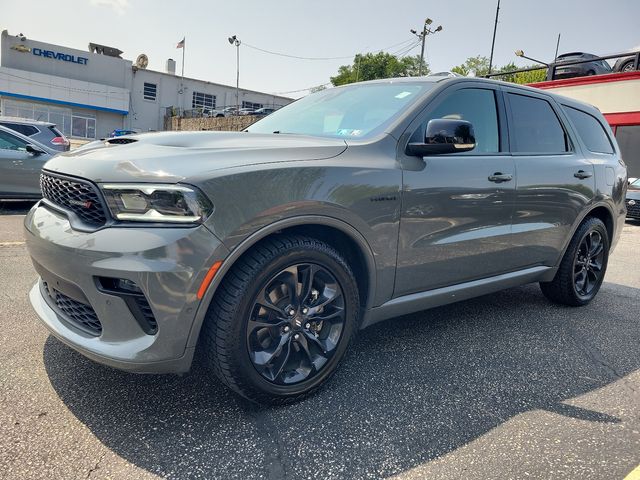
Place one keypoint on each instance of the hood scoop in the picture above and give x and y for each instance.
(120, 141)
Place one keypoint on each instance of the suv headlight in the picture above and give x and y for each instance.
(156, 203)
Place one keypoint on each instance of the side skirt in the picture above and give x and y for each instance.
(455, 293)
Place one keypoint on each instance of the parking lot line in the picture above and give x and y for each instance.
(634, 474)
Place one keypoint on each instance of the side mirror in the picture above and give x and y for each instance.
(33, 149)
(444, 135)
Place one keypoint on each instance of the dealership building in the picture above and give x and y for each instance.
(88, 94)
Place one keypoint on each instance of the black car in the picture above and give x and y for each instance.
(633, 200)
(565, 68)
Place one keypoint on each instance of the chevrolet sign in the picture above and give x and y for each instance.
(65, 57)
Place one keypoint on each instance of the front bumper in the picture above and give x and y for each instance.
(168, 264)
(633, 207)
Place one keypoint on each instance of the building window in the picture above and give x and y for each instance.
(252, 105)
(203, 100)
(150, 91)
(83, 127)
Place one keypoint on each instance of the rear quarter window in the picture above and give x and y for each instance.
(590, 129)
(26, 130)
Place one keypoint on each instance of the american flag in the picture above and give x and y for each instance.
(181, 43)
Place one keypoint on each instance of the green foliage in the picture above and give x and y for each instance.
(479, 66)
(531, 77)
(372, 66)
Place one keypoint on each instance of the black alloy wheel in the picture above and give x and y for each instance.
(588, 263)
(296, 323)
(583, 266)
(281, 319)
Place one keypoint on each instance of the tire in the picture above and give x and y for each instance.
(627, 66)
(568, 287)
(236, 344)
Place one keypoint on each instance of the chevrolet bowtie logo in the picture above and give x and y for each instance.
(20, 48)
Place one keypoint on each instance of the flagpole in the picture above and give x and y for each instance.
(184, 46)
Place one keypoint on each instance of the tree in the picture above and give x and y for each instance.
(533, 76)
(477, 65)
(371, 66)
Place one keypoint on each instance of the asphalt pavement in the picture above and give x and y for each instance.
(502, 386)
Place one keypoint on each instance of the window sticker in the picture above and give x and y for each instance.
(349, 132)
(403, 94)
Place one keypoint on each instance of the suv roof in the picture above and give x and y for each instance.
(26, 121)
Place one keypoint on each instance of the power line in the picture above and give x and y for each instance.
(280, 54)
(403, 51)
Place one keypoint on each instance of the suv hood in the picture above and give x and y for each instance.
(175, 156)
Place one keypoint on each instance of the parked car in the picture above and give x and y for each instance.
(119, 132)
(45, 133)
(21, 161)
(267, 250)
(633, 200)
(625, 64)
(246, 111)
(596, 67)
(213, 113)
(261, 112)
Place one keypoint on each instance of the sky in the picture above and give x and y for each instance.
(321, 28)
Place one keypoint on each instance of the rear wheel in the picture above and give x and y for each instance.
(583, 266)
(627, 66)
(282, 319)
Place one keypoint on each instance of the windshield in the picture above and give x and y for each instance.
(355, 111)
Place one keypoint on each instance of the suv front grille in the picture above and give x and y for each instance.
(633, 210)
(76, 196)
(79, 314)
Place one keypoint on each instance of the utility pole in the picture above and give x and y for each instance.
(493, 42)
(233, 40)
(557, 47)
(423, 37)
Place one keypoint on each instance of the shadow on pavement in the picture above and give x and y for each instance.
(412, 390)
(15, 207)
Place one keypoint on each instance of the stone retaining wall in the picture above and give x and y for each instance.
(227, 124)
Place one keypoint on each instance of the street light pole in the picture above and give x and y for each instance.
(233, 40)
(423, 37)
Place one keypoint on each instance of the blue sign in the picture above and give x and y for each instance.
(65, 57)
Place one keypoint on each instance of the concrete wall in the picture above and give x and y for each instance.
(173, 91)
(98, 68)
(227, 124)
(32, 86)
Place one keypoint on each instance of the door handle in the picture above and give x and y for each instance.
(500, 177)
(581, 174)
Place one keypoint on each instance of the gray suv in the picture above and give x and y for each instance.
(46, 133)
(265, 251)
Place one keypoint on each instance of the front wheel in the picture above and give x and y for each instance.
(583, 266)
(282, 319)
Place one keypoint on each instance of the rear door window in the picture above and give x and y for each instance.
(590, 130)
(535, 127)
